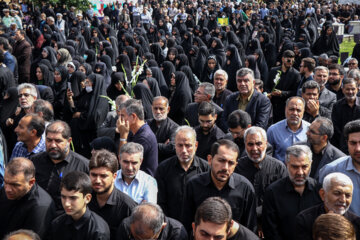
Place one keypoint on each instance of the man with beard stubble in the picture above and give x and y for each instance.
(57, 161)
(336, 77)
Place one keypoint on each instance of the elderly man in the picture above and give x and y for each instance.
(204, 93)
(326, 98)
(353, 64)
(173, 173)
(336, 195)
(285, 198)
(349, 165)
(248, 100)
(23, 203)
(29, 135)
(293, 129)
(310, 93)
(149, 222)
(163, 127)
(140, 186)
(220, 83)
(259, 168)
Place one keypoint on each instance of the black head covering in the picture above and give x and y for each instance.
(104, 143)
(233, 63)
(103, 72)
(253, 66)
(201, 60)
(143, 93)
(123, 64)
(48, 77)
(9, 105)
(110, 52)
(112, 91)
(131, 53)
(182, 60)
(158, 75)
(75, 80)
(168, 69)
(157, 51)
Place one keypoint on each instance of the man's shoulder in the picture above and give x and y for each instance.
(146, 178)
(277, 125)
(199, 179)
(39, 157)
(192, 106)
(278, 185)
(41, 197)
(167, 163)
(241, 181)
(79, 157)
(313, 212)
(101, 224)
(339, 163)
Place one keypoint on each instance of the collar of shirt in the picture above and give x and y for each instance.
(230, 182)
(248, 98)
(350, 166)
(112, 198)
(251, 163)
(290, 187)
(40, 147)
(78, 224)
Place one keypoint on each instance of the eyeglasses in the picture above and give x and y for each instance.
(313, 132)
(24, 94)
(352, 64)
(205, 121)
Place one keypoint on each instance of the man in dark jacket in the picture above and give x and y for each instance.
(22, 52)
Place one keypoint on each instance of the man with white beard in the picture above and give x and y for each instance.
(172, 174)
(337, 196)
(258, 167)
(163, 127)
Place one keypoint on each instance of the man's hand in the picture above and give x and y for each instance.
(122, 127)
(76, 115)
(312, 107)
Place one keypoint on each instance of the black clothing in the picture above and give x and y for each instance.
(306, 219)
(238, 191)
(326, 44)
(165, 131)
(323, 112)
(48, 175)
(173, 230)
(118, 207)
(171, 179)
(281, 205)
(270, 170)
(244, 233)
(342, 113)
(34, 211)
(339, 93)
(192, 117)
(287, 84)
(220, 100)
(143, 93)
(205, 141)
(89, 227)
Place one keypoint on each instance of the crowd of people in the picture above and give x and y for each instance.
(178, 120)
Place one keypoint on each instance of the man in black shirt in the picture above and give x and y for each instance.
(318, 135)
(78, 222)
(285, 198)
(259, 168)
(337, 196)
(149, 222)
(57, 161)
(23, 203)
(163, 127)
(207, 133)
(336, 76)
(107, 201)
(213, 218)
(344, 111)
(223, 182)
(172, 174)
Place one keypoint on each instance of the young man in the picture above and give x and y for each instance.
(78, 222)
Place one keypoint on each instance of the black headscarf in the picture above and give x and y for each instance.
(112, 90)
(158, 75)
(233, 63)
(253, 66)
(59, 90)
(75, 80)
(9, 105)
(103, 72)
(143, 93)
(168, 68)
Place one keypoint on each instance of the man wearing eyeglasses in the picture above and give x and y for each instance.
(353, 64)
(336, 77)
(207, 132)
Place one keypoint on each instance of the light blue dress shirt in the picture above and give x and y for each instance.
(280, 136)
(142, 188)
(345, 165)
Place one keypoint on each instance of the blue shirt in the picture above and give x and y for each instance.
(20, 149)
(142, 188)
(280, 136)
(345, 165)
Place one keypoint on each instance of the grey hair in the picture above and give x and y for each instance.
(30, 86)
(318, 68)
(149, 215)
(354, 73)
(132, 148)
(326, 126)
(133, 106)
(26, 232)
(162, 98)
(121, 99)
(295, 97)
(298, 151)
(337, 177)
(310, 85)
(353, 59)
(186, 128)
(324, 56)
(245, 71)
(221, 72)
(255, 130)
(209, 88)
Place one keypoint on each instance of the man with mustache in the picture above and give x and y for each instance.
(336, 194)
(349, 165)
(326, 98)
(57, 161)
(336, 77)
(258, 167)
(293, 129)
(344, 111)
(163, 127)
(221, 181)
(286, 197)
